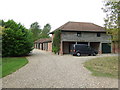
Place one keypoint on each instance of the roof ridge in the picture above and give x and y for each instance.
(79, 22)
(97, 25)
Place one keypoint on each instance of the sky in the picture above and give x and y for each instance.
(54, 12)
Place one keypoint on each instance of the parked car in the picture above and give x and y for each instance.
(79, 49)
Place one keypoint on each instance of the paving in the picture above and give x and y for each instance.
(47, 70)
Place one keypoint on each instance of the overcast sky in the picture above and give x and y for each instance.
(54, 12)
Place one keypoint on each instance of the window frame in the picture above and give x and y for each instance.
(79, 34)
(98, 34)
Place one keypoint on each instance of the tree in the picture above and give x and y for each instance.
(1, 23)
(56, 41)
(1, 29)
(45, 31)
(35, 28)
(112, 20)
(16, 39)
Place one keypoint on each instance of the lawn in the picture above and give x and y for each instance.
(11, 64)
(103, 66)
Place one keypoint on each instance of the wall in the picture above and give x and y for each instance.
(85, 37)
(50, 46)
(115, 47)
(52, 37)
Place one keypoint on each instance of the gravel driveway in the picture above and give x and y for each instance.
(46, 70)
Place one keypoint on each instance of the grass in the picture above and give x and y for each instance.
(103, 66)
(11, 64)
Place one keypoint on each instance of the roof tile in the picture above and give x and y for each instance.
(81, 26)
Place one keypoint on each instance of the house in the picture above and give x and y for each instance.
(82, 33)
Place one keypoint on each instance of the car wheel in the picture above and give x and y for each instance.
(78, 54)
(94, 54)
(89, 54)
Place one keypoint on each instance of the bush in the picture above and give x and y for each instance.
(55, 49)
(16, 40)
(56, 41)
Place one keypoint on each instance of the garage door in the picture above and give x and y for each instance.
(106, 48)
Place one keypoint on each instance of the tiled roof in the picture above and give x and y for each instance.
(44, 40)
(81, 26)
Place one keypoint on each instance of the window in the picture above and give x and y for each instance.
(98, 34)
(79, 34)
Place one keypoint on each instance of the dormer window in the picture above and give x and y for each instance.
(98, 34)
(79, 34)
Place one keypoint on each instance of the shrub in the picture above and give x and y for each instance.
(55, 49)
(16, 40)
(56, 41)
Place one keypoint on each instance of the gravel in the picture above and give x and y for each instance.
(46, 70)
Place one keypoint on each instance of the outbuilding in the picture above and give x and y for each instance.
(44, 44)
(84, 33)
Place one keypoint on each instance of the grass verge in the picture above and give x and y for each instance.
(11, 64)
(103, 66)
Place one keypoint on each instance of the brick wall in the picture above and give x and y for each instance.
(50, 46)
(115, 47)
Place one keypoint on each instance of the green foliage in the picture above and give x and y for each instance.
(35, 29)
(45, 31)
(1, 23)
(40, 33)
(112, 20)
(55, 49)
(56, 41)
(1, 29)
(16, 40)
